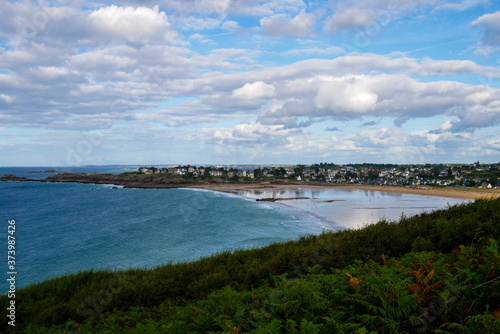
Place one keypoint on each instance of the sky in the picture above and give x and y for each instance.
(249, 82)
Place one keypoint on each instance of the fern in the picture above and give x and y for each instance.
(307, 327)
(430, 288)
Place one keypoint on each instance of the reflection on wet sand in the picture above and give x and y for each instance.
(352, 208)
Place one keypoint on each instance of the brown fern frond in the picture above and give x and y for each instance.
(429, 277)
(383, 259)
(437, 285)
(429, 288)
(353, 281)
(417, 274)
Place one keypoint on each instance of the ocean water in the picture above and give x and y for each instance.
(68, 227)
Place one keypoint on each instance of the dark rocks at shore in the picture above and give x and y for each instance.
(42, 171)
(127, 180)
(273, 199)
(10, 177)
(135, 180)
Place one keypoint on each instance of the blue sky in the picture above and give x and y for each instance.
(249, 82)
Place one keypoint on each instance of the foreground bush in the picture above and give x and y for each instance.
(89, 296)
(420, 292)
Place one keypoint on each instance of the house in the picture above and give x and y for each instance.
(145, 170)
(180, 171)
(142, 169)
(215, 173)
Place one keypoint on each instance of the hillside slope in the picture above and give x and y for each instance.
(239, 284)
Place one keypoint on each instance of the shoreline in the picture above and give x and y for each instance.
(336, 217)
(465, 193)
(237, 187)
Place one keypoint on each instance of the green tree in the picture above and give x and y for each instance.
(279, 172)
(373, 174)
(299, 170)
(435, 171)
(493, 181)
(351, 174)
(257, 173)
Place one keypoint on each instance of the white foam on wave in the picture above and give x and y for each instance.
(220, 193)
(106, 185)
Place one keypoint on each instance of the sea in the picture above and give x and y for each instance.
(65, 228)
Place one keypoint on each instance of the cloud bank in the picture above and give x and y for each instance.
(235, 81)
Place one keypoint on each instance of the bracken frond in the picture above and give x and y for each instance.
(417, 274)
(429, 277)
(353, 281)
(383, 259)
(429, 288)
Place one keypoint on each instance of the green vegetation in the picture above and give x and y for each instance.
(436, 272)
(457, 175)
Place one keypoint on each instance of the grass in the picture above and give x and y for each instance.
(153, 300)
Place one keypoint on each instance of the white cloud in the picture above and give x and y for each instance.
(131, 24)
(369, 17)
(495, 144)
(230, 25)
(383, 137)
(147, 65)
(280, 25)
(218, 7)
(6, 98)
(265, 8)
(331, 50)
(100, 60)
(254, 90)
(200, 39)
(201, 23)
(431, 67)
(490, 24)
(463, 5)
(352, 18)
(342, 95)
(52, 72)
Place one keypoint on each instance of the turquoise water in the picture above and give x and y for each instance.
(67, 227)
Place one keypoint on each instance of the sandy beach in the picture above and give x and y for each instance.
(464, 193)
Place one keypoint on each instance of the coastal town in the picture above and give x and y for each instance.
(475, 175)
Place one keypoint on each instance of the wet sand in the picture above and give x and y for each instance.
(463, 193)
